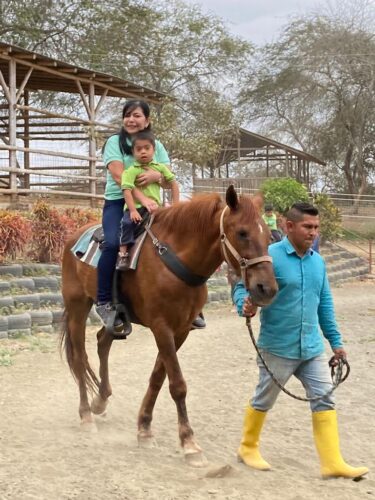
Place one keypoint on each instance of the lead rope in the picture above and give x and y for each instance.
(338, 376)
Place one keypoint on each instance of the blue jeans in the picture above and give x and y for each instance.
(113, 211)
(128, 227)
(313, 373)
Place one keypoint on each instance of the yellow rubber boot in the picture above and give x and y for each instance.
(248, 452)
(326, 438)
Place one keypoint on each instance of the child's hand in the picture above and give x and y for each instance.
(150, 205)
(135, 216)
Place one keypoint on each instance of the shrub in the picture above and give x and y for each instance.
(330, 218)
(15, 232)
(282, 193)
(75, 218)
(49, 231)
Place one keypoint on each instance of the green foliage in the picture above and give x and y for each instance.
(5, 357)
(14, 234)
(282, 193)
(312, 87)
(330, 218)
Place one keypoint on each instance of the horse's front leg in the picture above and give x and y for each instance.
(168, 346)
(100, 401)
(156, 381)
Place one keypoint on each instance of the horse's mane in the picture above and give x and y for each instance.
(195, 214)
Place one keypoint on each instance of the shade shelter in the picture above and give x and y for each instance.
(69, 167)
(271, 159)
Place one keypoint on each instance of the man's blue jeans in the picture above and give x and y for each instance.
(313, 373)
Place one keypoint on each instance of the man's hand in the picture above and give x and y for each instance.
(248, 308)
(135, 216)
(150, 205)
(148, 176)
(339, 353)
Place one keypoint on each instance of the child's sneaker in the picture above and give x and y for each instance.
(123, 262)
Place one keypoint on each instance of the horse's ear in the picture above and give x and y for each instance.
(258, 201)
(231, 198)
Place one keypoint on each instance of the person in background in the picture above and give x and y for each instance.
(291, 343)
(143, 147)
(270, 219)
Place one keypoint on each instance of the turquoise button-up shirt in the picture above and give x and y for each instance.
(290, 324)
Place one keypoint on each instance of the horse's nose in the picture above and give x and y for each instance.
(265, 291)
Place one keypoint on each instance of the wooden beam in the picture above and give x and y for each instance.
(54, 192)
(23, 171)
(46, 152)
(23, 84)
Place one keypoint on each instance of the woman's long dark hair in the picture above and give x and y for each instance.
(130, 106)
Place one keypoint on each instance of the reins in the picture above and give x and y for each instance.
(338, 376)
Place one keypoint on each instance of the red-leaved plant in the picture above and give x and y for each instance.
(14, 234)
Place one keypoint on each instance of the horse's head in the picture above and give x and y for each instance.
(245, 239)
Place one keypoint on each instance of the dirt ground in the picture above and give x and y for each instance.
(45, 455)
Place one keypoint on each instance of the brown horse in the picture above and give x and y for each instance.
(202, 233)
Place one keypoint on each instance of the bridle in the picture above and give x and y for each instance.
(242, 261)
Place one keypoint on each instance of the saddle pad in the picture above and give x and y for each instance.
(87, 250)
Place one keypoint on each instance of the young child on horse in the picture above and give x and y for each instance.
(148, 197)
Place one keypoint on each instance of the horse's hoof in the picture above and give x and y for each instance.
(196, 459)
(99, 405)
(146, 439)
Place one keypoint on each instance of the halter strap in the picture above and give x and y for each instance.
(242, 261)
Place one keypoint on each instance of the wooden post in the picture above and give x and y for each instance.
(239, 151)
(286, 164)
(12, 128)
(92, 143)
(26, 129)
(370, 256)
(267, 162)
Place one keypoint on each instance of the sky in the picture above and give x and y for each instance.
(258, 21)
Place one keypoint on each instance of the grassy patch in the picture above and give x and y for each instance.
(5, 357)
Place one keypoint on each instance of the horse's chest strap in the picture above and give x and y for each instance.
(178, 268)
(172, 262)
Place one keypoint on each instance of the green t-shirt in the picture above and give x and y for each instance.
(152, 190)
(113, 152)
(270, 221)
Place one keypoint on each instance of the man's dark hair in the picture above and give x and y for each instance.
(268, 207)
(299, 209)
(143, 135)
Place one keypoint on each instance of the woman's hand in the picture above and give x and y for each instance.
(248, 308)
(147, 177)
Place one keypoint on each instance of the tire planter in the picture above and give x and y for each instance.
(3, 327)
(51, 299)
(31, 301)
(12, 270)
(41, 317)
(4, 287)
(43, 283)
(6, 302)
(19, 321)
(23, 283)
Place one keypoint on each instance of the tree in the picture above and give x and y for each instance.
(282, 193)
(316, 87)
(166, 45)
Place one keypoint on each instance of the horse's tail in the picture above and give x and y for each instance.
(66, 346)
